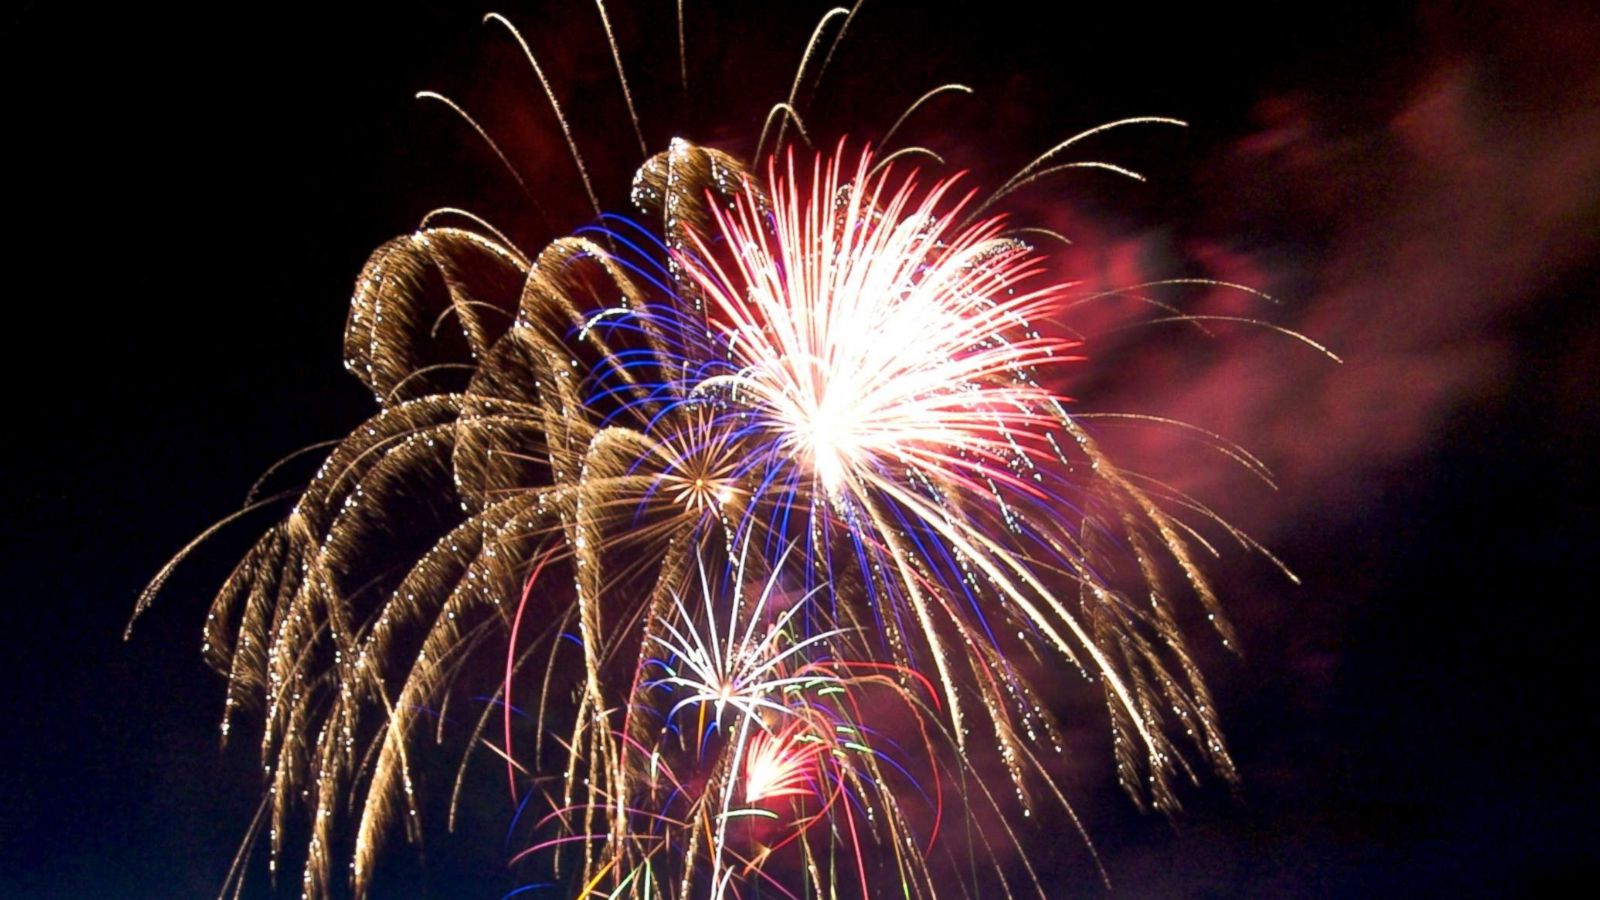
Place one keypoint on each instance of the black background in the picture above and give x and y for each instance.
(191, 193)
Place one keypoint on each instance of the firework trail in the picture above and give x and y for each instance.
(776, 460)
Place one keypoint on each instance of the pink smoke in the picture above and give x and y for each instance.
(1437, 229)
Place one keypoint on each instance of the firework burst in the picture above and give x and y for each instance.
(820, 403)
(756, 761)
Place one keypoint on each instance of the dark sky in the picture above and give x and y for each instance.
(190, 196)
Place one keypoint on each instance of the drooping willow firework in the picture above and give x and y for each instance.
(780, 453)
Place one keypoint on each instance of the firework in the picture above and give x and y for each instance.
(757, 762)
(820, 404)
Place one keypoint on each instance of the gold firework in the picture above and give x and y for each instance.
(835, 381)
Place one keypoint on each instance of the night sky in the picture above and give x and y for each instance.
(190, 197)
